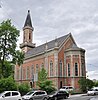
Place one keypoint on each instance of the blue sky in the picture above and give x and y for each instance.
(55, 18)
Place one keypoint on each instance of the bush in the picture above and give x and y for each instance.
(85, 84)
(7, 84)
(23, 88)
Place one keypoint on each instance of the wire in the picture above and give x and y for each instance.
(92, 65)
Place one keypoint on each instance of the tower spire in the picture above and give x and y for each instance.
(27, 34)
(28, 21)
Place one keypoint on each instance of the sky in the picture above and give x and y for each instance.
(56, 18)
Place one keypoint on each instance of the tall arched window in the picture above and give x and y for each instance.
(51, 68)
(32, 73)
(60, 64)
(76, 69)
(17, 74)
(24, 76)
(83, 69)
(28, 72)
(42, 66)
(36, 68)
(68, 69)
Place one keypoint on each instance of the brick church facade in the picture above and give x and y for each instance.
(63, 60)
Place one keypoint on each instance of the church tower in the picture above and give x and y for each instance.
(27, 35)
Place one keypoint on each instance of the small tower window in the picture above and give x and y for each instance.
(24, 37)
(29, 36)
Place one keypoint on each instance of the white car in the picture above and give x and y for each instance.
(92, 92)
(35, 95)
(10, 95)
(67, 88)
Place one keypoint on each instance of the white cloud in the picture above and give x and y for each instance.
(93, 74)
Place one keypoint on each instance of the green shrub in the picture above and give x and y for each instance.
(23, 88)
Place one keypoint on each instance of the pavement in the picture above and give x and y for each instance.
(94, 98)
(77, 95)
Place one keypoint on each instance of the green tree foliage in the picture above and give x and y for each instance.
(89, 83)
(96, 83)
(85, 84)
(43, 81)
(9, 69)
(24, 88)
(18, 58)
(8, 38)
(7, 84)
(42, 75)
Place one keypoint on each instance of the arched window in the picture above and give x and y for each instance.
(29, 36)
(17, 74)
(76, 69)
(24, 76)
(24, 37)
(36, 68)
(83, 69)
(42, 66)
(60, 64)
(32, 73)
(68, 69)
(27, 72)
(51, 68)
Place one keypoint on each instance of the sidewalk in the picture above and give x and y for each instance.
(77, 95)
(94, 98)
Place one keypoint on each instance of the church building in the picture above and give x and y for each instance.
(63, 60)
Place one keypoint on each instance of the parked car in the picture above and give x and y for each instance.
(67, 88)
(57, 95)
(35, 95)
(10, 95)
(92, 91)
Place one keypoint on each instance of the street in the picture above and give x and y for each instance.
(82, 98)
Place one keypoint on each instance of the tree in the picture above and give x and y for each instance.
(42, 75)
(7, 84)
(89, 83)
(8, 38)
(18, 58)
(9, 69)
(85, 84)
(43, 81)
(96, 83)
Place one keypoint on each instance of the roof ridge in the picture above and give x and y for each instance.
(54, 40)
(41, 48)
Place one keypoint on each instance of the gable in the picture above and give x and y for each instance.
(68, 42)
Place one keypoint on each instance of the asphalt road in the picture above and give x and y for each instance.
(82, 98)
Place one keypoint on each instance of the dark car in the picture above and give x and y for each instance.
(57, 95)
(35, 95)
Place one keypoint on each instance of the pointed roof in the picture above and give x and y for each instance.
(28, 20)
